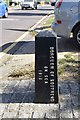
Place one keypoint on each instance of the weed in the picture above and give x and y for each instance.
(61, 61)
(49, 21)
(25, 71)
(33, 32)
(68, 67)
(67, 55)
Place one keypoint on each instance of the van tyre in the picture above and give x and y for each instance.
(33, 8)
(76, 34)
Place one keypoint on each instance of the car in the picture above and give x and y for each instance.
(67, 19)
(29, 4)
(3, 9)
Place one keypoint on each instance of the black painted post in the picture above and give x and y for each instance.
(46, 80)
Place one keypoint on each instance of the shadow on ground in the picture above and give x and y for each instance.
(27, 14)
(64, 45)
(28, 47)
(68, 45)
(18, 94)
(42, 9)
(20, 30)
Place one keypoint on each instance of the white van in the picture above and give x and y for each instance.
(29, 4)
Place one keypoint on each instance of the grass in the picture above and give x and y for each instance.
(45, 25)
(22, 72)
(33, 32)
(68, 67)
(26, 71)
(49, 21)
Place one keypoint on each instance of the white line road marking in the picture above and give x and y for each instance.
(9, 19)
(22, 36)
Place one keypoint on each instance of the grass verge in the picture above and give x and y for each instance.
(68, 67)
(25, 72)
(45, 25)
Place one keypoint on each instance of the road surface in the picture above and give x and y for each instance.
(19, 21)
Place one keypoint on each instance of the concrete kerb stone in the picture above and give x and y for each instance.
(11, 111)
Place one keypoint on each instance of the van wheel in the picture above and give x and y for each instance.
(6, 14)
(76, 34)
(33, 8)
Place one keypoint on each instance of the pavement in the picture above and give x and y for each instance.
(17, 101)
(17, 95)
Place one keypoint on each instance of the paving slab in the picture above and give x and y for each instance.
(52, 111)
(29, 97)
(3, 85)
(64, 88)
(66, 109)
(74, 88)
(10, 86)
(22, 87)
(20, 102)
(26, 110)
(2, 109)
(11, 111)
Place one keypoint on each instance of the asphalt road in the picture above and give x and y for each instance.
(19, 21)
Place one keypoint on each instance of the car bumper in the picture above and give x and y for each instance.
(61, 30)
(25, 5)
(28, 5)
